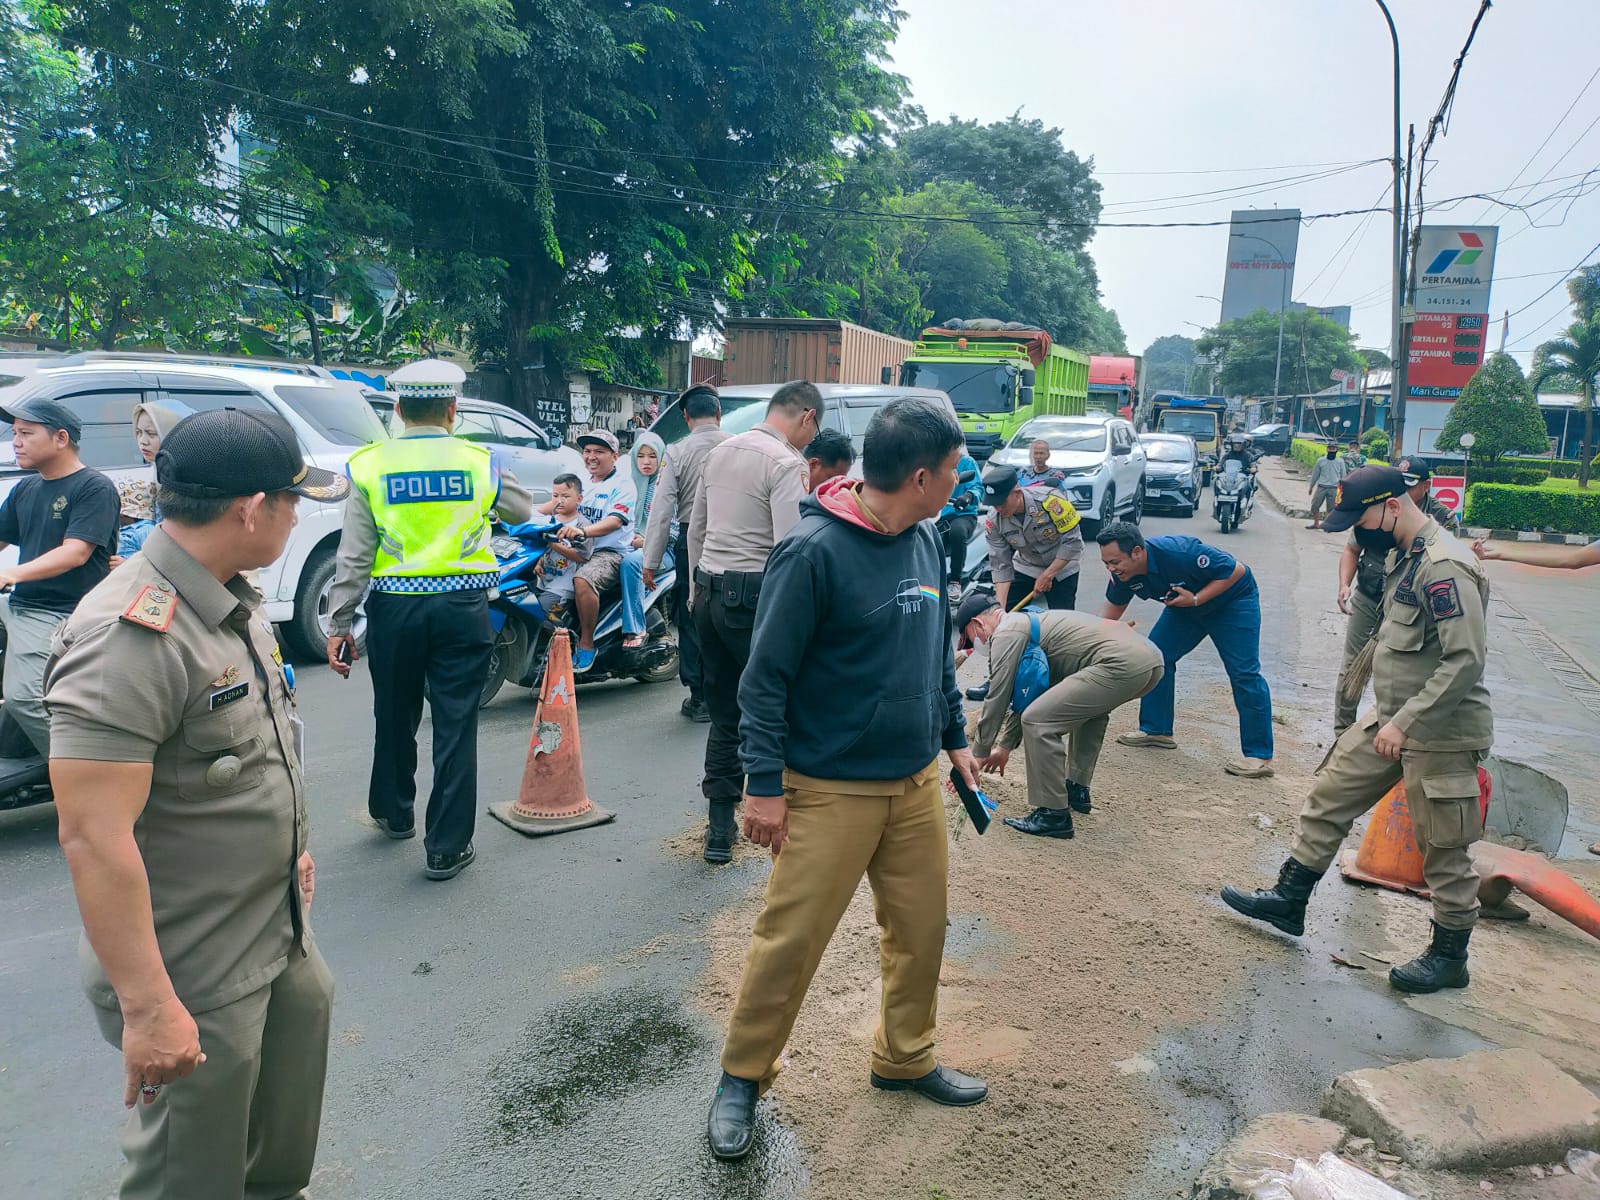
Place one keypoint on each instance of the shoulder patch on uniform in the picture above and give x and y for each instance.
(1062, 513)
(1444, 599)
(1202, 561)
(153, 608)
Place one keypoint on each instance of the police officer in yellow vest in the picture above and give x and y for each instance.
(417, 525)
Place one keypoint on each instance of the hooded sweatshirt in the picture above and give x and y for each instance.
(852, 671)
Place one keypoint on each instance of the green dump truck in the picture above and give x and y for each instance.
(998, 375)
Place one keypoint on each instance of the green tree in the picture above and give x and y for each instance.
(1247, 348)
(1376, 360)
(1498, 407)
(1574, 360)
(1168, 364)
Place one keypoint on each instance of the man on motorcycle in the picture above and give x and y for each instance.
(1239, 451)
(959, 520)
(605, 520)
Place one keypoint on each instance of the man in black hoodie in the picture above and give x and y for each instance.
(849, 697)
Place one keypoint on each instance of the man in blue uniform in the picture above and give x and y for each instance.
(1208, 594)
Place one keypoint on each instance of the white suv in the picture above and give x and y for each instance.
(330, 417)
(1100, 457)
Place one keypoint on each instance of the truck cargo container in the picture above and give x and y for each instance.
(999, 376)
(1114, 381)
(778, 349)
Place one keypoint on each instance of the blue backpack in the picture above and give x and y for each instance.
(1033, 671)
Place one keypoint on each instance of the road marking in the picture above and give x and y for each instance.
(1584, 686)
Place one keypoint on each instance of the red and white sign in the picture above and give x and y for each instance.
(1450, 491)
(1446, 350)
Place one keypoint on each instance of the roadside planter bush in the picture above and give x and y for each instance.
(1536, 509)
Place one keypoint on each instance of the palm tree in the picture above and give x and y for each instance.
(1576, 358)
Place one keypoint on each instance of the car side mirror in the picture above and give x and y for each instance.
(1121, 451)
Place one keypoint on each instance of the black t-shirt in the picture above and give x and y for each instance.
(40, 514)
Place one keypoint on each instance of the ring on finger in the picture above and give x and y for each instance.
(149, 1089)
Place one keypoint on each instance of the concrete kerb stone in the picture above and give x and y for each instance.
(1493, 1108)
(1271, 1142)
(1284, 491)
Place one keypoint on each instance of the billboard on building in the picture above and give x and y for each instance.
(1455, 265)
(1261, 250)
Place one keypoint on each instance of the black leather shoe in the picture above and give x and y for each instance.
(979, 693)
(1044, 822)
(731, 1127)
(1442, 965)
(1284, 907)
(395, 830)
(941, 1085)
(448, 866)
(696, 710)
(721, 833)
(1078, 797)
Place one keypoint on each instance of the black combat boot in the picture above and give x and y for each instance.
(1442, 965)
(1078, 797)
(721, 832)
(979, 693)
(1284, 907)
(1044, 822)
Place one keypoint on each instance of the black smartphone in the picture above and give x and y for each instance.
(1172, 594)
(347, 651)
(980, 809)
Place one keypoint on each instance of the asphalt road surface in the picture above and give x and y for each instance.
(523, 1030)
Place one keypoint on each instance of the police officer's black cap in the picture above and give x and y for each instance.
(1359, 491)
(229, 452)
(48, 413)
(998, 483)
(1415, 471)
(969, 610)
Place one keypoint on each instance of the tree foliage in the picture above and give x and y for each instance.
(1313, 347)
(1574, 360)
(1168, 363)
(1498, 407)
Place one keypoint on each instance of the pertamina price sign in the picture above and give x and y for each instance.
(1446, 349)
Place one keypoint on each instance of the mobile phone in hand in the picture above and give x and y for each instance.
(347, 652)
(980, 808)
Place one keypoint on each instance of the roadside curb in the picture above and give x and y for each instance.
(1269, 483)
(1524, 535)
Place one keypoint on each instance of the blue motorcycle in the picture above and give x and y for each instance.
(522, 627)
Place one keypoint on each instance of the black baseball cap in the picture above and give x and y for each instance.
(1359, 491)
(1415, 472)
(229, 452)
(42, 411)
(998, 483)
(970, 609)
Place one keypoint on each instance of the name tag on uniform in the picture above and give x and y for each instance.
(229, 695)
(421, 487)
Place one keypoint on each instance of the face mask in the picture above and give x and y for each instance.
(1378, 541)
(1332, 453)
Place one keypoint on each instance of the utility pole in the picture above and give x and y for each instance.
(1397, 347)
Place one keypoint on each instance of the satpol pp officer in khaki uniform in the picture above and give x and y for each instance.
(1431, 727)
(1095, 666)
(1035, 540)
(176, 764)
(1361, 575)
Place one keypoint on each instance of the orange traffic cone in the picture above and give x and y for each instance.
(1501, 868)
(553, 798)
(1389, 856)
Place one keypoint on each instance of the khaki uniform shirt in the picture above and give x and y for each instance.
(1071, 641)
(1427, 671)
(162, 664)
(678, 485)
(1371, 568)
(749, 498)
(1046, 529)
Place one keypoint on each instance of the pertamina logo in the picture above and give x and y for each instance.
(1445, 260)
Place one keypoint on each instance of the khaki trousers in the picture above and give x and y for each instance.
(893, 832)
(1322, 498)
(244, 1125)
(1066, 726)
(1441, 792)
(1359, 628)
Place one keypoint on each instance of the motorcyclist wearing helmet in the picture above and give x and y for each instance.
(1238, 449)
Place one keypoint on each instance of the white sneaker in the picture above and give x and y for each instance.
(1250, 768)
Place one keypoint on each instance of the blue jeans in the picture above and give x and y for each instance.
(1235, 630)
(633, 587)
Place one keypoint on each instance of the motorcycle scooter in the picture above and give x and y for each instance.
(1232, 497)
(522, 626)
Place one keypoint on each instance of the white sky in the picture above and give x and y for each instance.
(1205, 85)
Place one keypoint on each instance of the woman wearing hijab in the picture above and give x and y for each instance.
(646, 461)
(151, 423)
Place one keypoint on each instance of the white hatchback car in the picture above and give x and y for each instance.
(330, 417)
(1100, 457)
